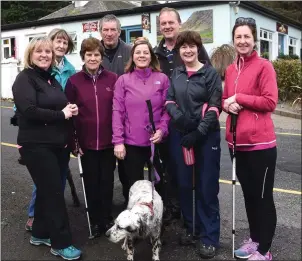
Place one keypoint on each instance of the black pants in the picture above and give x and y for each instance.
(134, 163)
(51, 219)
(256, 173)
(98, 173)
(123, 178)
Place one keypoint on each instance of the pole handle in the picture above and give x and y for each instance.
(233, 122)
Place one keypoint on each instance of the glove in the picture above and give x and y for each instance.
(186, 124)
(189, 140)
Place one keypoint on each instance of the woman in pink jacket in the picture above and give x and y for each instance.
(130, 119)
(251, 92)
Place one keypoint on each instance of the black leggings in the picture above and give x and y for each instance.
(256, 172)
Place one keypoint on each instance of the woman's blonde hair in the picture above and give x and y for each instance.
(34, 44)
(154, 63)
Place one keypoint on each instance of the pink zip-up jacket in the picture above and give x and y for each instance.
(130, 118)
(253, 80)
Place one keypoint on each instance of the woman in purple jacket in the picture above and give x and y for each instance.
(130, 120)
(92, 90)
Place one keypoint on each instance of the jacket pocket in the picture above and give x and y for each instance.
(246, 127)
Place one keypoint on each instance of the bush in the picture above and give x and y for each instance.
(265, 55)
(288, 75)
(288, 56)
(222, 57)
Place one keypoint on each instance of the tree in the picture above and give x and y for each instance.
(16, 12)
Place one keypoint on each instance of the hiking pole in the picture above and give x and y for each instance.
(233, 130)
(189, 159)
(86, 206)
(82, 178)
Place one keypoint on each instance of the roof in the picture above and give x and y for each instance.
(91, 7)
(153, 8)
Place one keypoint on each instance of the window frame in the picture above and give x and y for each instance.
(75, 42)
(129, 29)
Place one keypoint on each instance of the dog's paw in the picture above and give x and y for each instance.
(130, 257)
(155, 258)
(124, 246)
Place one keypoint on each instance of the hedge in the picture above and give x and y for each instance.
(288, 75)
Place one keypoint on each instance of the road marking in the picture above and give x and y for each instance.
(279, 133)
(224, 181)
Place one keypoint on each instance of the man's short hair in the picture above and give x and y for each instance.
(168, 9)
(110, 18)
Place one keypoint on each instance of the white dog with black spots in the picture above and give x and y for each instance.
(141, 219)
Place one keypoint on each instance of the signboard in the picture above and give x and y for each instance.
(146, 25)
(281, 28)
(90, 27)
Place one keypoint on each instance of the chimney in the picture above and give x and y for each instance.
(80, 3)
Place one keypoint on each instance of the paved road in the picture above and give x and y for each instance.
(17, 186)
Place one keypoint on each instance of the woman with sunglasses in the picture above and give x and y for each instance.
(130, 123)
(251, 93)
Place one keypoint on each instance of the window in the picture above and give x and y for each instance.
(292, 47)
(30, 37)
(74, 38)
(8, 47)
(130, 33)
(266, 41)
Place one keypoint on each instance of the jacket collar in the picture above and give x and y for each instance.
(160, 48)
(67, 66)
(100, 70)
(183, 69)
(143, 73)
(44, 74)
(242, 61)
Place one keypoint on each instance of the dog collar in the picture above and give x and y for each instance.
(149, 205)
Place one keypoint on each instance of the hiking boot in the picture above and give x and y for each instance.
(29, 224)
(247, 249)
(186, 239)
(96, 231)
(257, 256)
(206, 251)
(68, 253)
(39, 241)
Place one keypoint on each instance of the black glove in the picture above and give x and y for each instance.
(186, 124)
(189, 140)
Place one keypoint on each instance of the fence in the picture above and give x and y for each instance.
(9, 71)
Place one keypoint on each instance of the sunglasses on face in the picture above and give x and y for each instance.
(243, 20)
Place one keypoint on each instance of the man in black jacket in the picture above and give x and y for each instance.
(117, 54)
(169, 59)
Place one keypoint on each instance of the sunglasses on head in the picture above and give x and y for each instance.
(243, 20)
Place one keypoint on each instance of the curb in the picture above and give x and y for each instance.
(287, 114)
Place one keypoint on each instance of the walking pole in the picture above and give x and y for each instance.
(82, 179)
(189, 159)
(233, 130)
(86, 206)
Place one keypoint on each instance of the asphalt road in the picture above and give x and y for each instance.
(16, 187)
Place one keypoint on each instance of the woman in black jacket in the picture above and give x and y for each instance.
(194, 104)
(43, 132)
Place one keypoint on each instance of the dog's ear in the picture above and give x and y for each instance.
(131, 228)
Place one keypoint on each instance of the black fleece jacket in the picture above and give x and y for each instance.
(39, 99)
(187, 95)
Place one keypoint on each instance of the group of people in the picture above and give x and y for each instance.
(100, 113)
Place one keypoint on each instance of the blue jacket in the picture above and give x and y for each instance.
(62, 76)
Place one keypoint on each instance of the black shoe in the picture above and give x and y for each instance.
(21, 161)
(96, 231)
(186, 239)
(176, 212)
(206, 251)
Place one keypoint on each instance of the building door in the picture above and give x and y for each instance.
(280, 44)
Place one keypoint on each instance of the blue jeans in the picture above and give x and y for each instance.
(31, 208)
(207, 168)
